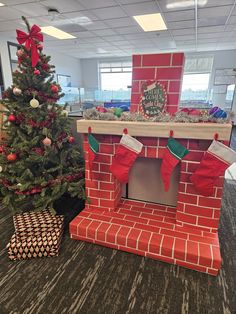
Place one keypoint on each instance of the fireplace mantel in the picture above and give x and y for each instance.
(204, 131)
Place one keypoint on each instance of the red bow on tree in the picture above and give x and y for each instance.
(29, 40)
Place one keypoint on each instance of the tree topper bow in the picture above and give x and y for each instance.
(29, 40)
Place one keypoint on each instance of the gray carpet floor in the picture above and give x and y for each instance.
(87, 278)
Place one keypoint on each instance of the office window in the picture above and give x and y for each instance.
(115, 76)
(195, 86)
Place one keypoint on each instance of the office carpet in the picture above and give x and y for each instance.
(91, 279)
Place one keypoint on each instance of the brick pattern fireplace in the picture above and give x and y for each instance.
(166, 68)
(185, 235)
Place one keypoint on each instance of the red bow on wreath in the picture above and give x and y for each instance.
(29, 40)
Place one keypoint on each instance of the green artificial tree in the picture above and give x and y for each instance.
(39, 161)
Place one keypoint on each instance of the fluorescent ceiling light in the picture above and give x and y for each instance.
(185, 4)
(2, 4)
(56, 32)
(151, 22)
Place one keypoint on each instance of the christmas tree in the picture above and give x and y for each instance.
(39, 161)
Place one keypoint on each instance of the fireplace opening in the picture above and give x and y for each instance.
(145, 183)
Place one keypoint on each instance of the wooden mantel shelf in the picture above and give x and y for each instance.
(205, 131)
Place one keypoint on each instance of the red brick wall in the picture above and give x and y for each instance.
(166, 68)
(193, 210)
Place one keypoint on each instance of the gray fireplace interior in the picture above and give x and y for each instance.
(145, 183)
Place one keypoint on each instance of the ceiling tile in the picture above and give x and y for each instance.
(121, 22)
(184, 37)
(78, 14)
(108, 13)
(63, 6)
(8, 13)
(232, 19)
(213, 21)
(131, 1)
(105, 32)
(179, 16)
(114, 38)
(210, 35)
(141, 8)
(214, 3)
(214, 12)
(181, 24)
(96, 25)
(183, 31)
(91, 4)
(31, 9)
(128, 30)
(211, 29)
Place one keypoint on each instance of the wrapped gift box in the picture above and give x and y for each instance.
(37, 234)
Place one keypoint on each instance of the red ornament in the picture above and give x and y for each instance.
(11, 118)
(40, 47)
(54, 88)
(36, 72)
(1, 149)
(11, 157)
(71, 139)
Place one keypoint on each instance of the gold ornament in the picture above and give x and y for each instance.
(34, 103)
(1, 168)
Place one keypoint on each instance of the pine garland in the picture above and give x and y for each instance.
(180, 116)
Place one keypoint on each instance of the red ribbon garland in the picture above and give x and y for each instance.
(29, 41)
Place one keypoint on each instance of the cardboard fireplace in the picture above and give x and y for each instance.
(180, 228)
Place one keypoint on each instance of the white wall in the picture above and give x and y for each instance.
(64, 65)
(222, 59)
(5, 64)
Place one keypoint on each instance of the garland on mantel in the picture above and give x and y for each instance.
(179, 116)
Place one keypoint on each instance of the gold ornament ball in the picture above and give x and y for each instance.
(47, 141)
(17, 91)
(1, 168)
(34, 103)
(64, 113)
